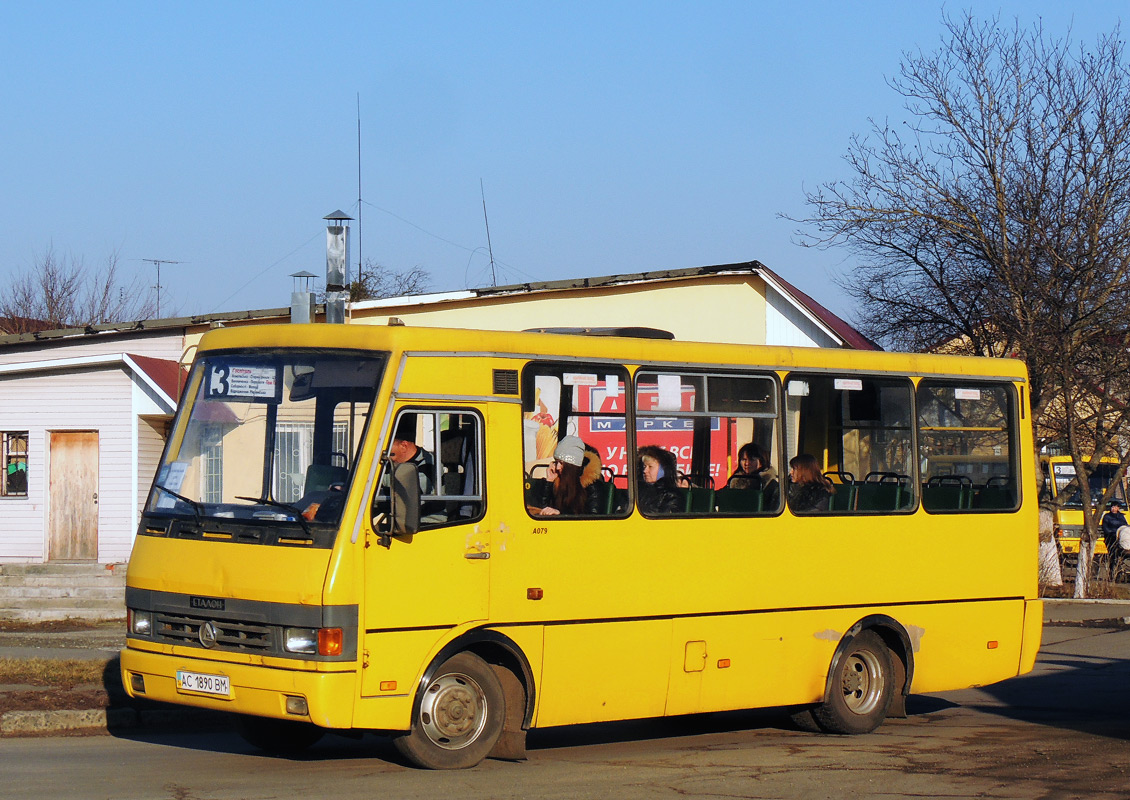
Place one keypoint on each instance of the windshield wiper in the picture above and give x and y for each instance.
(197, 509)
(295, 510)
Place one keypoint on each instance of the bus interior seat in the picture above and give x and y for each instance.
(947, 493)
(699, 500)
(880, 491)
(606, 497)
(739, 501)
(457, 471)
(999, 498)
(845, 497)
(320, 477)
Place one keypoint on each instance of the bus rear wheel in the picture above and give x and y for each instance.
(459, 718)
(860, 693)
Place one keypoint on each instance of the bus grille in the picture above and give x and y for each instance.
(230, 634)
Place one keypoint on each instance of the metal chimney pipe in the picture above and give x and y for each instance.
(302, 299)
(337, 265)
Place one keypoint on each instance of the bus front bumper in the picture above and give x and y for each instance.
(324, 698)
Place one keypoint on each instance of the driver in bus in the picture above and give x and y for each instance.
(404, 450)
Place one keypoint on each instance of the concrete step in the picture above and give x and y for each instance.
(99, 592)
(52, 614)
(53, 591)
(62, 568)
(65, 602)
(15, 583)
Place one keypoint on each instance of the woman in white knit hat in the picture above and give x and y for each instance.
(564, 492)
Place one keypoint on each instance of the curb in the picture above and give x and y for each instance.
(22, 723)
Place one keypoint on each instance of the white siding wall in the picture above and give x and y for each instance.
(786, 325)
(150, 443)
(167, 346)
(99, 400)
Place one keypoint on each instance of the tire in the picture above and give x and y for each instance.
(282, 737)
(459, 716)
(860, 693)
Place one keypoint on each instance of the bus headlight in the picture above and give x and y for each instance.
(322, 641)
(140, 622)
(301, 640)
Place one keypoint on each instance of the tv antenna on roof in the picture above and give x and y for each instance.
(486, 222)
(157, 262)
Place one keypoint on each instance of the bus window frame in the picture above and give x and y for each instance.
(707, 371)
(383, 461)
(1012, 423)
(907, 378)
(558, 368)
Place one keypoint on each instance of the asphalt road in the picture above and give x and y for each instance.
(1061, 732)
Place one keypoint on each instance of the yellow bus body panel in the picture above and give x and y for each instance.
(615, 618)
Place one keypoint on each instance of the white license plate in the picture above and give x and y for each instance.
(217, 685)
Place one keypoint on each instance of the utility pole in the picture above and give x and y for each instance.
(157, 262)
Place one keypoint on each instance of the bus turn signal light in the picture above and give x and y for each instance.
(993, 645)
(533, 594)
(329, 641)
(723, 663)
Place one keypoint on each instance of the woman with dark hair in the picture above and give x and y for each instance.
(565, 490)
(809, 490)
(658, 481)
(755, 472)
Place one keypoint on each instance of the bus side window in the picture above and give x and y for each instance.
(713, 440)
(966, 446)
(586, 403)
(859, 431)
(445, 447)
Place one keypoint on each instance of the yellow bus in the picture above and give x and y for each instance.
(338, 537)
(1058, 472)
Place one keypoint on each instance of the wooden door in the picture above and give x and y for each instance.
(73, 501)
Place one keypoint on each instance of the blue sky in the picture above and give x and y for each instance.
(609, 137)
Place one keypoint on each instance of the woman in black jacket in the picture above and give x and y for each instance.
(657, 485)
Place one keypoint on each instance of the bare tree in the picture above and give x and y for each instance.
(379, 281)
(63, 292)
(996, 220)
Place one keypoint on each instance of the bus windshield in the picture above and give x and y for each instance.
(1101, 479)
(267, 437)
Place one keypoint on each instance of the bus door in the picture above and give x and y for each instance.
(420, 586)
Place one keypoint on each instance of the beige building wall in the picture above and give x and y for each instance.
(714, 309)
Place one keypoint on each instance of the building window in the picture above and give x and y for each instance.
(212, 450)
(13, 453)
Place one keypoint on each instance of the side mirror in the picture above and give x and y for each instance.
(404, 500)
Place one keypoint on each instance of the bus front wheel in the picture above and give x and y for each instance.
(459, 718)
(860, 693)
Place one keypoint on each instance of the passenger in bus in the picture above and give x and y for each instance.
(565, 491)
(755, 472)
(809, 490)
(658, 481)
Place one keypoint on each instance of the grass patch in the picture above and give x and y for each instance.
(51, 672)
(1099, 590)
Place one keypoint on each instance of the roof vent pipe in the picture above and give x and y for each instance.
(301, 298)
(337, 265)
